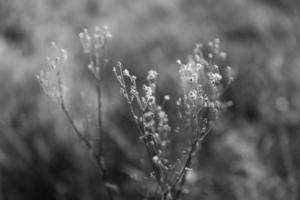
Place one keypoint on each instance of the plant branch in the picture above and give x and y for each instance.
(99, 162)
(150, 150)
(181, 177)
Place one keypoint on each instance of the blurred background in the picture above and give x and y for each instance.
(253, 153)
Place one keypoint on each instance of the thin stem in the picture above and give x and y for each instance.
(150, 150)
(181, 177)
(99, 162)
(74, 127)
(99, 109)
(100, 125)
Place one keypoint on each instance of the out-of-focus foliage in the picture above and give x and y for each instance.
(251, 154)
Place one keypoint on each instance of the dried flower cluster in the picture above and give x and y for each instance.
(150, 118)
(201, 80)
(54, 91)
(199, 107)
(94, 44)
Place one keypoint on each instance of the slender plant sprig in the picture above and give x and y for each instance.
(151, 122)
(95, 46)
(199, 107)
(149, 118)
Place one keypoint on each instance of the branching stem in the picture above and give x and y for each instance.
(100, 162)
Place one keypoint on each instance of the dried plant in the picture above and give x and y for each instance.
(203, 82)
(199, 108)
(94, 44)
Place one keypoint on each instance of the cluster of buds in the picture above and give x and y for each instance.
(145, 100)
(202, 83)
(129, 93)
(93, 43)
(55, 64)
(151, 119)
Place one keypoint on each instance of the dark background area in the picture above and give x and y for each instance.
(253, 153)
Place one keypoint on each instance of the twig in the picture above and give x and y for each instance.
(99, 162)
(181, 177)
(100, 126)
